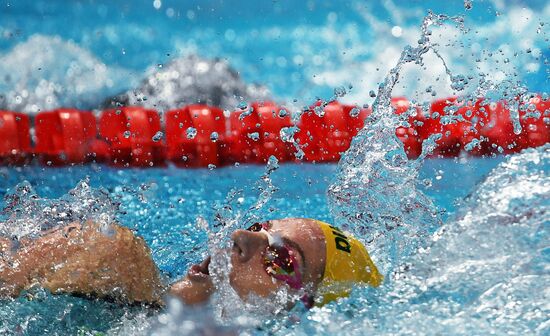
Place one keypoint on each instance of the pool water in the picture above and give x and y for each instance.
(162, 205)
(463, 242)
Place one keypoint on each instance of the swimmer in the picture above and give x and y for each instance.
(309, 257)
(82, 260)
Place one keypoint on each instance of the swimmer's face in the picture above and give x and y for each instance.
(304, 240)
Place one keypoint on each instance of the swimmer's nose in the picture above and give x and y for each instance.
(246, 243)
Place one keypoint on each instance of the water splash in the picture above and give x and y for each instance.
(227, 307)
(375, 192)
(28, 215)
(485, 271)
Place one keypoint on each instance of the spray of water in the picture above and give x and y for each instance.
(375, 192)
(28, 215)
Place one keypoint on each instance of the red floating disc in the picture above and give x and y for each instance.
(15, 146)
(63, 136)
(132, 135)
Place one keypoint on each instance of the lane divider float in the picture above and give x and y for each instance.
(202, 136)
(15, 139)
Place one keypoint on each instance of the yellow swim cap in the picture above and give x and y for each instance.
(347, 263)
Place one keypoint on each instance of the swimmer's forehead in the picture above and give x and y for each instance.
(301, 228)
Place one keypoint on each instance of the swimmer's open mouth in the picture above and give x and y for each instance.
(199, 272)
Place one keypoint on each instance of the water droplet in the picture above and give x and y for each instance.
(242, 105)
(191, 132)
(158, 136)
(340, 91)
(254, 136)
(427, 183)
(127, 134)
(458, 82)
(354, 113)
(319, 110)
(287, 133)
(472, 144)
(214, 136)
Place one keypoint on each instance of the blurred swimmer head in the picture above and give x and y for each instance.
(316, 261)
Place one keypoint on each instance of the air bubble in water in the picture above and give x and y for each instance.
(191, 132)
(127, 134)
(158, 136)
(283, 113)
(372, 94)
(468, 4)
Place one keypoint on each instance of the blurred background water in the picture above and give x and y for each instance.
(77, 53)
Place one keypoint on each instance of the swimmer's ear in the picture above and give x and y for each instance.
(72, 229)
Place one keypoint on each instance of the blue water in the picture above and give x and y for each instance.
(482, 269)
(299, 50)
(162, 205)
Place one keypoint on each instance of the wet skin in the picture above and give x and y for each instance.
(248, 274)
(80, 259)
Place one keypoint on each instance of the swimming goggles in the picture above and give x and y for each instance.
(279, 260)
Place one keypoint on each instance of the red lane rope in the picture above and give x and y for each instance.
(202, 136)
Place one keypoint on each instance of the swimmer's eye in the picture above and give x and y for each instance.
(279, 261)
(257, 227)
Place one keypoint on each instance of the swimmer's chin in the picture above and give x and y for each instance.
(196, 287)
(200, 272)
